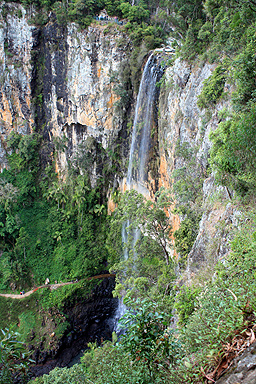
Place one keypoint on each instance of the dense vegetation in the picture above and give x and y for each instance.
(142, 22)
(59, 228)
(49, 228)
(211, 318)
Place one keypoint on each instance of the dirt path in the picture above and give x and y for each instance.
(52, 286)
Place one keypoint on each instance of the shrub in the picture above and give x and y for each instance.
(233, 151)
(213, 88)
(185, 303)
(13, 357)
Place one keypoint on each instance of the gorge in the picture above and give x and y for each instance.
(101, 116)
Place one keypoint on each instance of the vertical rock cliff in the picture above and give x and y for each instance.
(60, 82)
(16, 44)
(183, 127)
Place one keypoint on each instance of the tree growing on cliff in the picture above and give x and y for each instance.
(150, 217)
(142, 262)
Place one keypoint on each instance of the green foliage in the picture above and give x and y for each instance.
(60, 10)
(184, 14)
(211, 315)
(185, 303)
(23, 163)
(142, 262)
(147, 338)
(13, 357)
(145, 354)
(244, 73)
(152, 36)
(112, 365)
(73, 375)
(213, 88)
(219, 28)
(135, 13)
(186, 234)
(150, 217)
(83, 10)
(49, 228)
(233, 151)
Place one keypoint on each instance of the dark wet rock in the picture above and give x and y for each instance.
(90, 320)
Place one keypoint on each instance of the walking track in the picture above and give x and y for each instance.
(53, 286)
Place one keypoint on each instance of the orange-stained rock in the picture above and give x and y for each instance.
(164, 180)
(111, 206)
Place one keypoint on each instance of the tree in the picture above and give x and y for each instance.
(147, 338)
(233, 151)
(142, 262)
(150, 217)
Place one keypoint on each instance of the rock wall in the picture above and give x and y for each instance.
(242, 370)
(60, 82)
(181, 121)
(79, 80)
(16, 43)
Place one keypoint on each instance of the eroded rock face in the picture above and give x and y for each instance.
(180, 117)
(181, 121)
(243, 369)
(16, 43)
(79, 96)
(60, 82)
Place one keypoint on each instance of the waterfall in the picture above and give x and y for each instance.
(140, 147)
(142, 125)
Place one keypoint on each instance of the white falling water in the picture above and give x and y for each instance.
(139, 151)
(142, 124)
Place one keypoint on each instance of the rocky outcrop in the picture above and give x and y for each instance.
(180, 117)
(61, 82)
(80, 74)
(16, 43)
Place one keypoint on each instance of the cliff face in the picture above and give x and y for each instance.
(16, 43)
(59, 82)
(181, 124)
(62, 82)
(79, 76)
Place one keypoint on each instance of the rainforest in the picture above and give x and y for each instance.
(127, 191)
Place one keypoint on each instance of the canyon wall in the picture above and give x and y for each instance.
(16, 43)
(62, 82)
(182, 125)
(65, 84)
